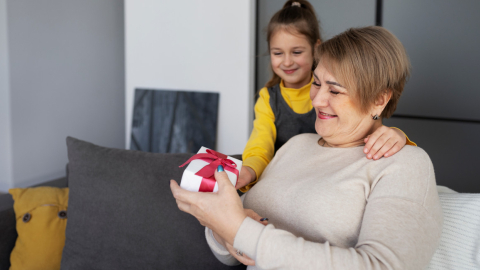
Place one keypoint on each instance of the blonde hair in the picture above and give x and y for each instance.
(297, 17)
(369, 61)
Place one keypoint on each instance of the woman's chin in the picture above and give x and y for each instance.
(321, 132)
(322, 129)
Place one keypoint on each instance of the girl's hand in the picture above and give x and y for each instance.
(247, 175)
(222, 211)
(384, 142)
(241, 258)
(251, 214)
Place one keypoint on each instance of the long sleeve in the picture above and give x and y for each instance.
(400, 228)
(220, 252)
(261, 145)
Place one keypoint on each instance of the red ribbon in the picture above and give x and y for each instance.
(207, 173)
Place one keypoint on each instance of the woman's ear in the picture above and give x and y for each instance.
(383, 99)
(318, 43)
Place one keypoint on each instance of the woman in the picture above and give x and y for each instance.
(329, 207)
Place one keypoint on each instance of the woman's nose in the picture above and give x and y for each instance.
(320, 98)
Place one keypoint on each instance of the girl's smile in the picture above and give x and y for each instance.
(289, 71)
(291, 58)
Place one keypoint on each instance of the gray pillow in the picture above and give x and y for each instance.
(122, 215)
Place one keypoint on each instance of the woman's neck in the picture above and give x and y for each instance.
(353, 142)
(324, 143)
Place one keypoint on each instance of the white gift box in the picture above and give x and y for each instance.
(192, 182)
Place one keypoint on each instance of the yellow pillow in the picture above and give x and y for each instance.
(41, 215)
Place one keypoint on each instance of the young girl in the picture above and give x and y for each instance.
(284, 108)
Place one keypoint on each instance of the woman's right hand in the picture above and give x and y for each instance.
(247, 175)
(220, 211)
(241, 258)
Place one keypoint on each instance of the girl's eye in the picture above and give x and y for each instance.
(297, 52)
(277, 53)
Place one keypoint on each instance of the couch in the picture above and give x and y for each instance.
(121, 215)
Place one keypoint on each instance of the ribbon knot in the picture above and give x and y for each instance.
(207, 173)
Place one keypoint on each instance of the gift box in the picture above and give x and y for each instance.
(199, 174)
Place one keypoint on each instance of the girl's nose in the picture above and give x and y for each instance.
(287, 61)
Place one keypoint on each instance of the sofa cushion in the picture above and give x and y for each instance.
(8, 233)
(122, 214)
(41, 215)
(459, 246)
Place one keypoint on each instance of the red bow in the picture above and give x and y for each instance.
(207, 173)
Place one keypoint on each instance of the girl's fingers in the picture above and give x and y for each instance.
(372, 140)
(393, 150)
(377, 144)
(366, 141)
(241, 183)
(250, 213)
(384, 149)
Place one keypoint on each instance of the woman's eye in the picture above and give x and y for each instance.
(316, 84)
(334, 92)
(298, 52)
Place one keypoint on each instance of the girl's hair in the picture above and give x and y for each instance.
(297, 17)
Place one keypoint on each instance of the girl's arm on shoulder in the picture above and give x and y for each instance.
(385, 142)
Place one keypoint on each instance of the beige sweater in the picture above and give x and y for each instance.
(332, 208)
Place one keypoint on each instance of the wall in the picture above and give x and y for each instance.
(5, 139)
(195, 46)
(439, 108)
(66, 74)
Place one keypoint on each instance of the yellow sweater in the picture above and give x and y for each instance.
(260, 147)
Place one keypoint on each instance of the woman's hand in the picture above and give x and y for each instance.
(243, 258)
(385, 142)
(247, 175)
(222, 212)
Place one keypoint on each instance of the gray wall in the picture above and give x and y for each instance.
(441, 38)
(5, 153)
(66, 79)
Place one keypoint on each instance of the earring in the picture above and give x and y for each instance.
(375, 117)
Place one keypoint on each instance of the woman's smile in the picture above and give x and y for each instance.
(323, 115)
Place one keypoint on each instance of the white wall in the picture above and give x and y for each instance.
(5, 140)
(195, 46)
(65, 77)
